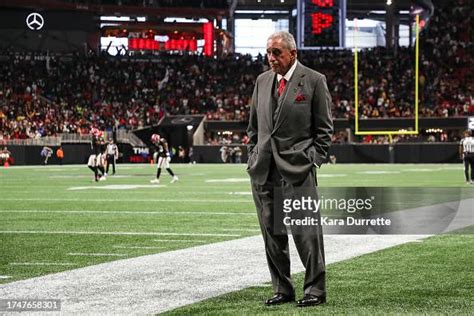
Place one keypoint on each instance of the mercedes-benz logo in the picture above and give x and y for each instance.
(35, 21)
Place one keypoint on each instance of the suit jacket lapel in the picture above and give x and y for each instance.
(289, 97)
(269, 111)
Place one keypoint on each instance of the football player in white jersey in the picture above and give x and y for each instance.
(466, 151)
(46, 153)
(5, 155)
(162, 158)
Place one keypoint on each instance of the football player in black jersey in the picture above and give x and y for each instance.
(102, 157)
(162, 158)
(95, 162)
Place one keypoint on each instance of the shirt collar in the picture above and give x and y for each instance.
(288, 74)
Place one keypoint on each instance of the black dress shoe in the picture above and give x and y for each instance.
(280, 299)
(311, 300)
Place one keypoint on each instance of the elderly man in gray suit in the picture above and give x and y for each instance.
(290, 132)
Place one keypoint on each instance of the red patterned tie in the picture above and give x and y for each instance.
(281, 86)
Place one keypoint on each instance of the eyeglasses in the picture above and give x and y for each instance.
(274, 51)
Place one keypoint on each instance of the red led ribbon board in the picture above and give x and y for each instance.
(208, 30)
(143, 44)
(323, 3)
(171, 44)
(320, 23)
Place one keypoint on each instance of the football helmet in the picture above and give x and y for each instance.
(155, 138)
(94, 131)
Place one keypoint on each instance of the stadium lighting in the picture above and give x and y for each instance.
(262, 12)
(115, 18)
(184, 20)
(434, 130)
(389, 2)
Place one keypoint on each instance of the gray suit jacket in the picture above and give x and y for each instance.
(300, 136)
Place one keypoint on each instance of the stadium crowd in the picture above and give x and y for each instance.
(46, 95)
(342, 137)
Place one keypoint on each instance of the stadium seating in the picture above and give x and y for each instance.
(43, 96)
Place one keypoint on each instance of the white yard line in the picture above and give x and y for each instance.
(41, 232)
(228, 180)
(181, 240)
(84, 167)
(41, 167)
(117, 187)
(4, 277)
(131, 212)
(249, 230)
(130, 200)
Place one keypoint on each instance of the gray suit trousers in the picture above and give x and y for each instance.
(308, 239)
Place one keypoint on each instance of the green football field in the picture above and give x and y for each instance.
(53, 216)
(430, 277)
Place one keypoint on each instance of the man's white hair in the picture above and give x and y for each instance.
(287, 38)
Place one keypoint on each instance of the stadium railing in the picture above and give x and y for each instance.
(43, 141)
(124, 136)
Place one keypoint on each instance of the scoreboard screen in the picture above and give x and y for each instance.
(321, 23)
